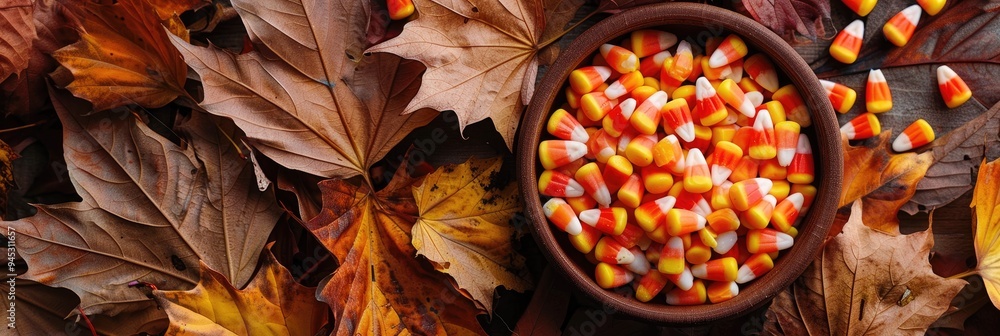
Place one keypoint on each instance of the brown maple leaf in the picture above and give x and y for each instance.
(16, 34)
(54, 28)
(381, 288)
(300, 97)
(865, 282)
(271, 304)
(150, 211)
(481, 58)
(789, 17)
(464, 228)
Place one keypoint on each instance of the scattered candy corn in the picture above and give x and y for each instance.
(932, 7)
(863, 126)
(841, 96)
(847, 44)
(878, 99)
(919, 133)
(862, 7)
(953, 88)
(900, 27)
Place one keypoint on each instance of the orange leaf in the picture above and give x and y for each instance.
(481, 58)
(986, 201)
(271, 304)
(381, 288)
(465, 228)
(168, 8)
(302, 101)
(865, 282)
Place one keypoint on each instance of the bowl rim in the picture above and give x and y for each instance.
(827, 140)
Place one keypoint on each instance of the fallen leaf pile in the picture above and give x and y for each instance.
(248, 167)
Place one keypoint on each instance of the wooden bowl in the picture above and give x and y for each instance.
(685, 19)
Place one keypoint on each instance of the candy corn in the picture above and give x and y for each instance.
(651, 65)
(648, 42)
(862, 7)
(683, 62)
(640, 150)
(562, 216)
(649, 286)
(878, 99)
(847, 44)
(786, 137)
(953, 89)
(698, 252)
(726, 156)
(657, 180)
(761, 70)
(919, 133)
(639, 265)
(802, 168)
(610, 276)
(646, 117)
(732, 48)
(555, 153)
(564, 126)
(632, 191)
(399, 9)
(610, 251)
(709, 103)
(786, 212)
(900, 27)
(863, 126)
(767, 241)
(762, 142)
(624, 84)
(596, 105)
(620, 59)
(586, 79)
(672, 257)
(697, 176)
(759, 214)
(791, 102)
(725, 242)
(694, 296)
(680, 221)
(556, 184)
(755, 266)
(589, 176)
(841, 96)
(607, 220)
(722, 291)
(731, 93)
(677, 117)
(746, 193)
(650, 214)
(932, 7)
(586, 240)
(722, 269)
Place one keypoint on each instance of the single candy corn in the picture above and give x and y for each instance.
(725, 158)
(761, 70)
(754, 267)
(683, 281)
(746, 169)
(841, 96)
(919, 133)
(657, 180)
(589, 176)
(725, 242)
(586, 79)
(683, 62)
(710, 105)
(610, 251)
(759, 214)
(720, 196)
(564, 126)
(787, 211)
(786, 137)
(610, 276)
(581, 203)
(762, 142)
(847, 44)
(616, 172)
(863, 126)
(692, 201)
(707, 237)
(672, 257)
(696, 295)
(650, 66)
(620, 59)
(555, 153)
(649, 286)
(680, 221)
(617, 119)
(771, 169)
(698, 252)
(900, 27)
(639, 265)
(650, 214)
(624, 84)
(714, 74)
(556, 184)
(802, 169)
(399, 9)
(731, 93)
(795, 109)
(780, 189)
(746, 193)
(647, 42)
(640, 94)
(632, 191)
(862, 7)
(722, 269)
(631, 237)
(607, 220)
(736, 71)
(722, 291)
(640, 150)
(697, 176)
(562, 216)
(932, 7)
(596, 105)
(767, 241)
(677, 117)
(602, 145)
(646, 117)
(586, 240)
(953, 89)
(878, 98)
(808, 192)
(730, 50)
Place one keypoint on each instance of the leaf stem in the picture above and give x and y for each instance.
(87, 319)
(560, 35)
(965, 274)
(24, 126)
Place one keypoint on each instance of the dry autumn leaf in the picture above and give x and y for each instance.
(986, 225)
(271, 304)
(150, 210)
(299, 99)
(481, 58)
(42, 307)
(7, 156)
(465, 228)
(16, 34)
(54, 27)
(865, 282)
(788, 17)
(168, 8)
(381, 287)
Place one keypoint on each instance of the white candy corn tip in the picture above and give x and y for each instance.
(590, 217)
(737, 74)
(912, 13)
(659, 57)
(702, 208)
(602, 195)
(657, 99)
(827, 85)
(764, 185)
(725, 242)
(575, 149)
(579, 134)
(666, 203)
(856, 29)
(632, 62)
(718, 59)
(747, 107)
(785, 156)
(876, 76)
(703, 88)
(573, 188)
(686, 131)
(744, 275)
(945, 74)
(624, 257)
(720, 174)
(902, 143)
(606, 48)
(770, 199)
(552, 205)
(783, 241)
(604, 71)
(605, 153)
(763, 121)
(615, 90)
(683, 47)
(639, 265)
(797, 200)
(848, 130)
(665, 39)
(696, 158)
(755, 98)
(684, 281)
(699, 271)
(701, 221)
(803, 146)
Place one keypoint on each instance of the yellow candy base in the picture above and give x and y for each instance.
(894, 35)
(879, 106)
(958, 100)
(843, 55)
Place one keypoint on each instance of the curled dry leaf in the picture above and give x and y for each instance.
(55, 27)
(481, 58)
(464, 227)
(123, 57)
(986, 201)
(150, 210)
(16, 34)
(381, 287)
(271, 304)
(865, 282)
(298, 96)
(789, 17)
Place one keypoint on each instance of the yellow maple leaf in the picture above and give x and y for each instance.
(986, 223)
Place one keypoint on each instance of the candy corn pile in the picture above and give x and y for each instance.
(677, 171)
(878, 99)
